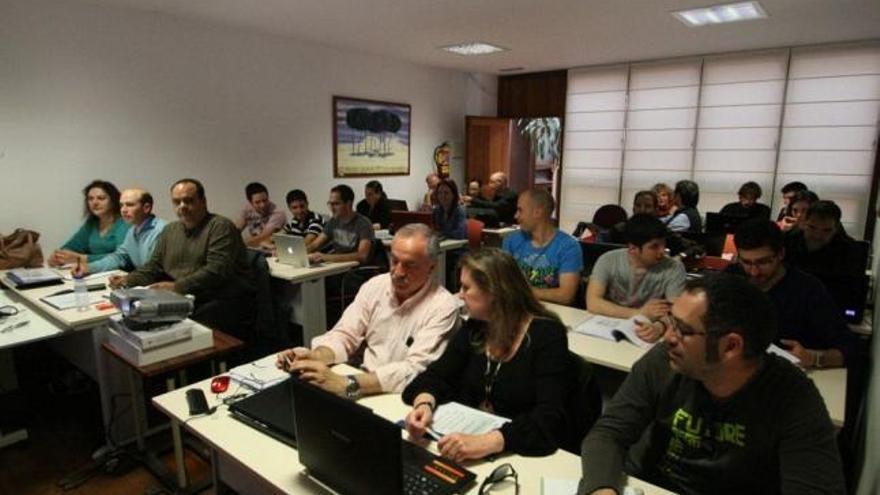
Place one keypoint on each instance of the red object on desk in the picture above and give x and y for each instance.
(104, 306)
(219, 384)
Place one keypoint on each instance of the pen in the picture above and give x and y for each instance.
(13, 326)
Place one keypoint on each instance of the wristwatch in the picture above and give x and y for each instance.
(352, 388)
(819, 359)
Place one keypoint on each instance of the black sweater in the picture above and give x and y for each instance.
(529, 389)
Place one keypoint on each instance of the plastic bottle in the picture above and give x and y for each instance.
(81, 292)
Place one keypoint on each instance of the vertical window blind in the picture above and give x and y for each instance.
(774, 116)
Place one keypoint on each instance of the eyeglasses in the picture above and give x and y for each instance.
(680, 328)
(499, 474)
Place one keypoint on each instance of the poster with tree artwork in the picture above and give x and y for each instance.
(370, 137)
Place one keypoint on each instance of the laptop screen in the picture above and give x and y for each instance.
(270, 411)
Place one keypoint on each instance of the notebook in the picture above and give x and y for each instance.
(269, 411)
(348, 449)
(291, 250)
(616, 329)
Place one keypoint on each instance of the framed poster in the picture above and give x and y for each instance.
(370, 137)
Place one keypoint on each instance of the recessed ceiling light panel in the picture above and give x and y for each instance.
(473, 48)
(720, 14)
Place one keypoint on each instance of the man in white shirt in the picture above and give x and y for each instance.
(403, 317)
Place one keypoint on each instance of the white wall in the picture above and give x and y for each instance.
(144, 99)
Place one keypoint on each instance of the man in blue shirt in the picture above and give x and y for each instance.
(550, 259)
(136, 206)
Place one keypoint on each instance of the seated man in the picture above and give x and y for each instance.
(788, 192)
(709, 411)
(303, 222)
(820, 245)
(686, 218)
(432, 180)
(349, 233)
(637, 279)
(550, 259)
(502, 206)
(798, 205)
(748, 206)
(259, 218)
(139, 241)
(810, 324)
(401, 321)
(643, 202)
(201, 254)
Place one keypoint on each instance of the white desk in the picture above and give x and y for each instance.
(445, 245)
(252, 462)
(622, 355)
(307, 293)
(76, 335)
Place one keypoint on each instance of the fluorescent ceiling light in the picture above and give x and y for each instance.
(719, 14)
(473, 48)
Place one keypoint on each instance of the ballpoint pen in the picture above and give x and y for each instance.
(13, 326)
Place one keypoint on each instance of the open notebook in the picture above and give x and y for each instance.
(616, 329)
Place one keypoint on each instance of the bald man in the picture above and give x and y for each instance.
(502, 206)
(136, 206)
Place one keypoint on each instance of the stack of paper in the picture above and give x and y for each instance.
(616, 329)
(453, 417)
(259, 374)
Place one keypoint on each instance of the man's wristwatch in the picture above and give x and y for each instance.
(352, 388)
(819, 359)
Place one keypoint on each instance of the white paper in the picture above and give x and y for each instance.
(779, 351)
(453, 417)
(68, 301)
(259, 374)
(608, 328)
(558, 486)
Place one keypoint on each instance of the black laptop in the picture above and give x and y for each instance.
(270, 411)
(850, 292)
(350, 450)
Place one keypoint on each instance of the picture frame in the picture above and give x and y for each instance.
(370, 137)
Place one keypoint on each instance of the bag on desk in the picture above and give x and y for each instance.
(20, 249)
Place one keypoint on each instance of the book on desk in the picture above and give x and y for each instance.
(615, 329)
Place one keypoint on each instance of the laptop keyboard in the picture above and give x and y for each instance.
(418, 482)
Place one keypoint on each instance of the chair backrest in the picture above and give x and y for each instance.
(475, 234)
(591, 251)
(378, 257)
(609, 215)
(397, 204)
(584, 404)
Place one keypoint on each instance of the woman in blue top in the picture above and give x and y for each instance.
(101, 233)
(450, 218)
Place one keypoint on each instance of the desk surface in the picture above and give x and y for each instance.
(622, 355)
(278, 464)
(297, 275)
(37, 328)
(67, 318)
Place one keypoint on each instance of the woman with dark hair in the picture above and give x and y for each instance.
(375, 205)
(510, 358)
(450, 218)
(101, 233)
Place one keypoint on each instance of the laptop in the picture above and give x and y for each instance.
(850, 292)
(350, 450)
(400, 218)
(269, 411)
(719, 222)
(291, 250)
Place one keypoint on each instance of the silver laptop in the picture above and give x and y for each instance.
(291, 250)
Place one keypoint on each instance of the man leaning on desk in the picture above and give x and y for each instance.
(201, 254)
(709, 411)
(401, 321)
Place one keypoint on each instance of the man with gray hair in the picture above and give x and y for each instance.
(398, 323)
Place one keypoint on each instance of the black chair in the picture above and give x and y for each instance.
(584, 405)
(609, 215)
(353, 279)
(591, 252)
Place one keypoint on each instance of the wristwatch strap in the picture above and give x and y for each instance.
(353, 388)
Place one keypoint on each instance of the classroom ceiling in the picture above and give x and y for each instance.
(540, 35)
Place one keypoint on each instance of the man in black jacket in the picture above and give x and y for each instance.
(501, 208)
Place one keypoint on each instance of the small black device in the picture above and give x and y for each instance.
(198, 404)
(270, 411)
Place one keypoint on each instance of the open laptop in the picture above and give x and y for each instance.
(350, 450)
(400, 218)
(270, 411)
(291, 250)
(850, 292)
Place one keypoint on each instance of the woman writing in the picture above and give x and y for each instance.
(101, 233)
(510, 358)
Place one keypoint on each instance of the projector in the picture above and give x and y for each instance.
(146, 307)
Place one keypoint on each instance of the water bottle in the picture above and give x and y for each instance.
(80, 292)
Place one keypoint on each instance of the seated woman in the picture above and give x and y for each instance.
(375, 205)
(510, 358)
(101, 233)
(665, 203)
(450, 218)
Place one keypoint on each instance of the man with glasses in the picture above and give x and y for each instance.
(349, 233)
(709, 411)
(810, 324)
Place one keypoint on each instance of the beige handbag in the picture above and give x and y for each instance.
(20, 249)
